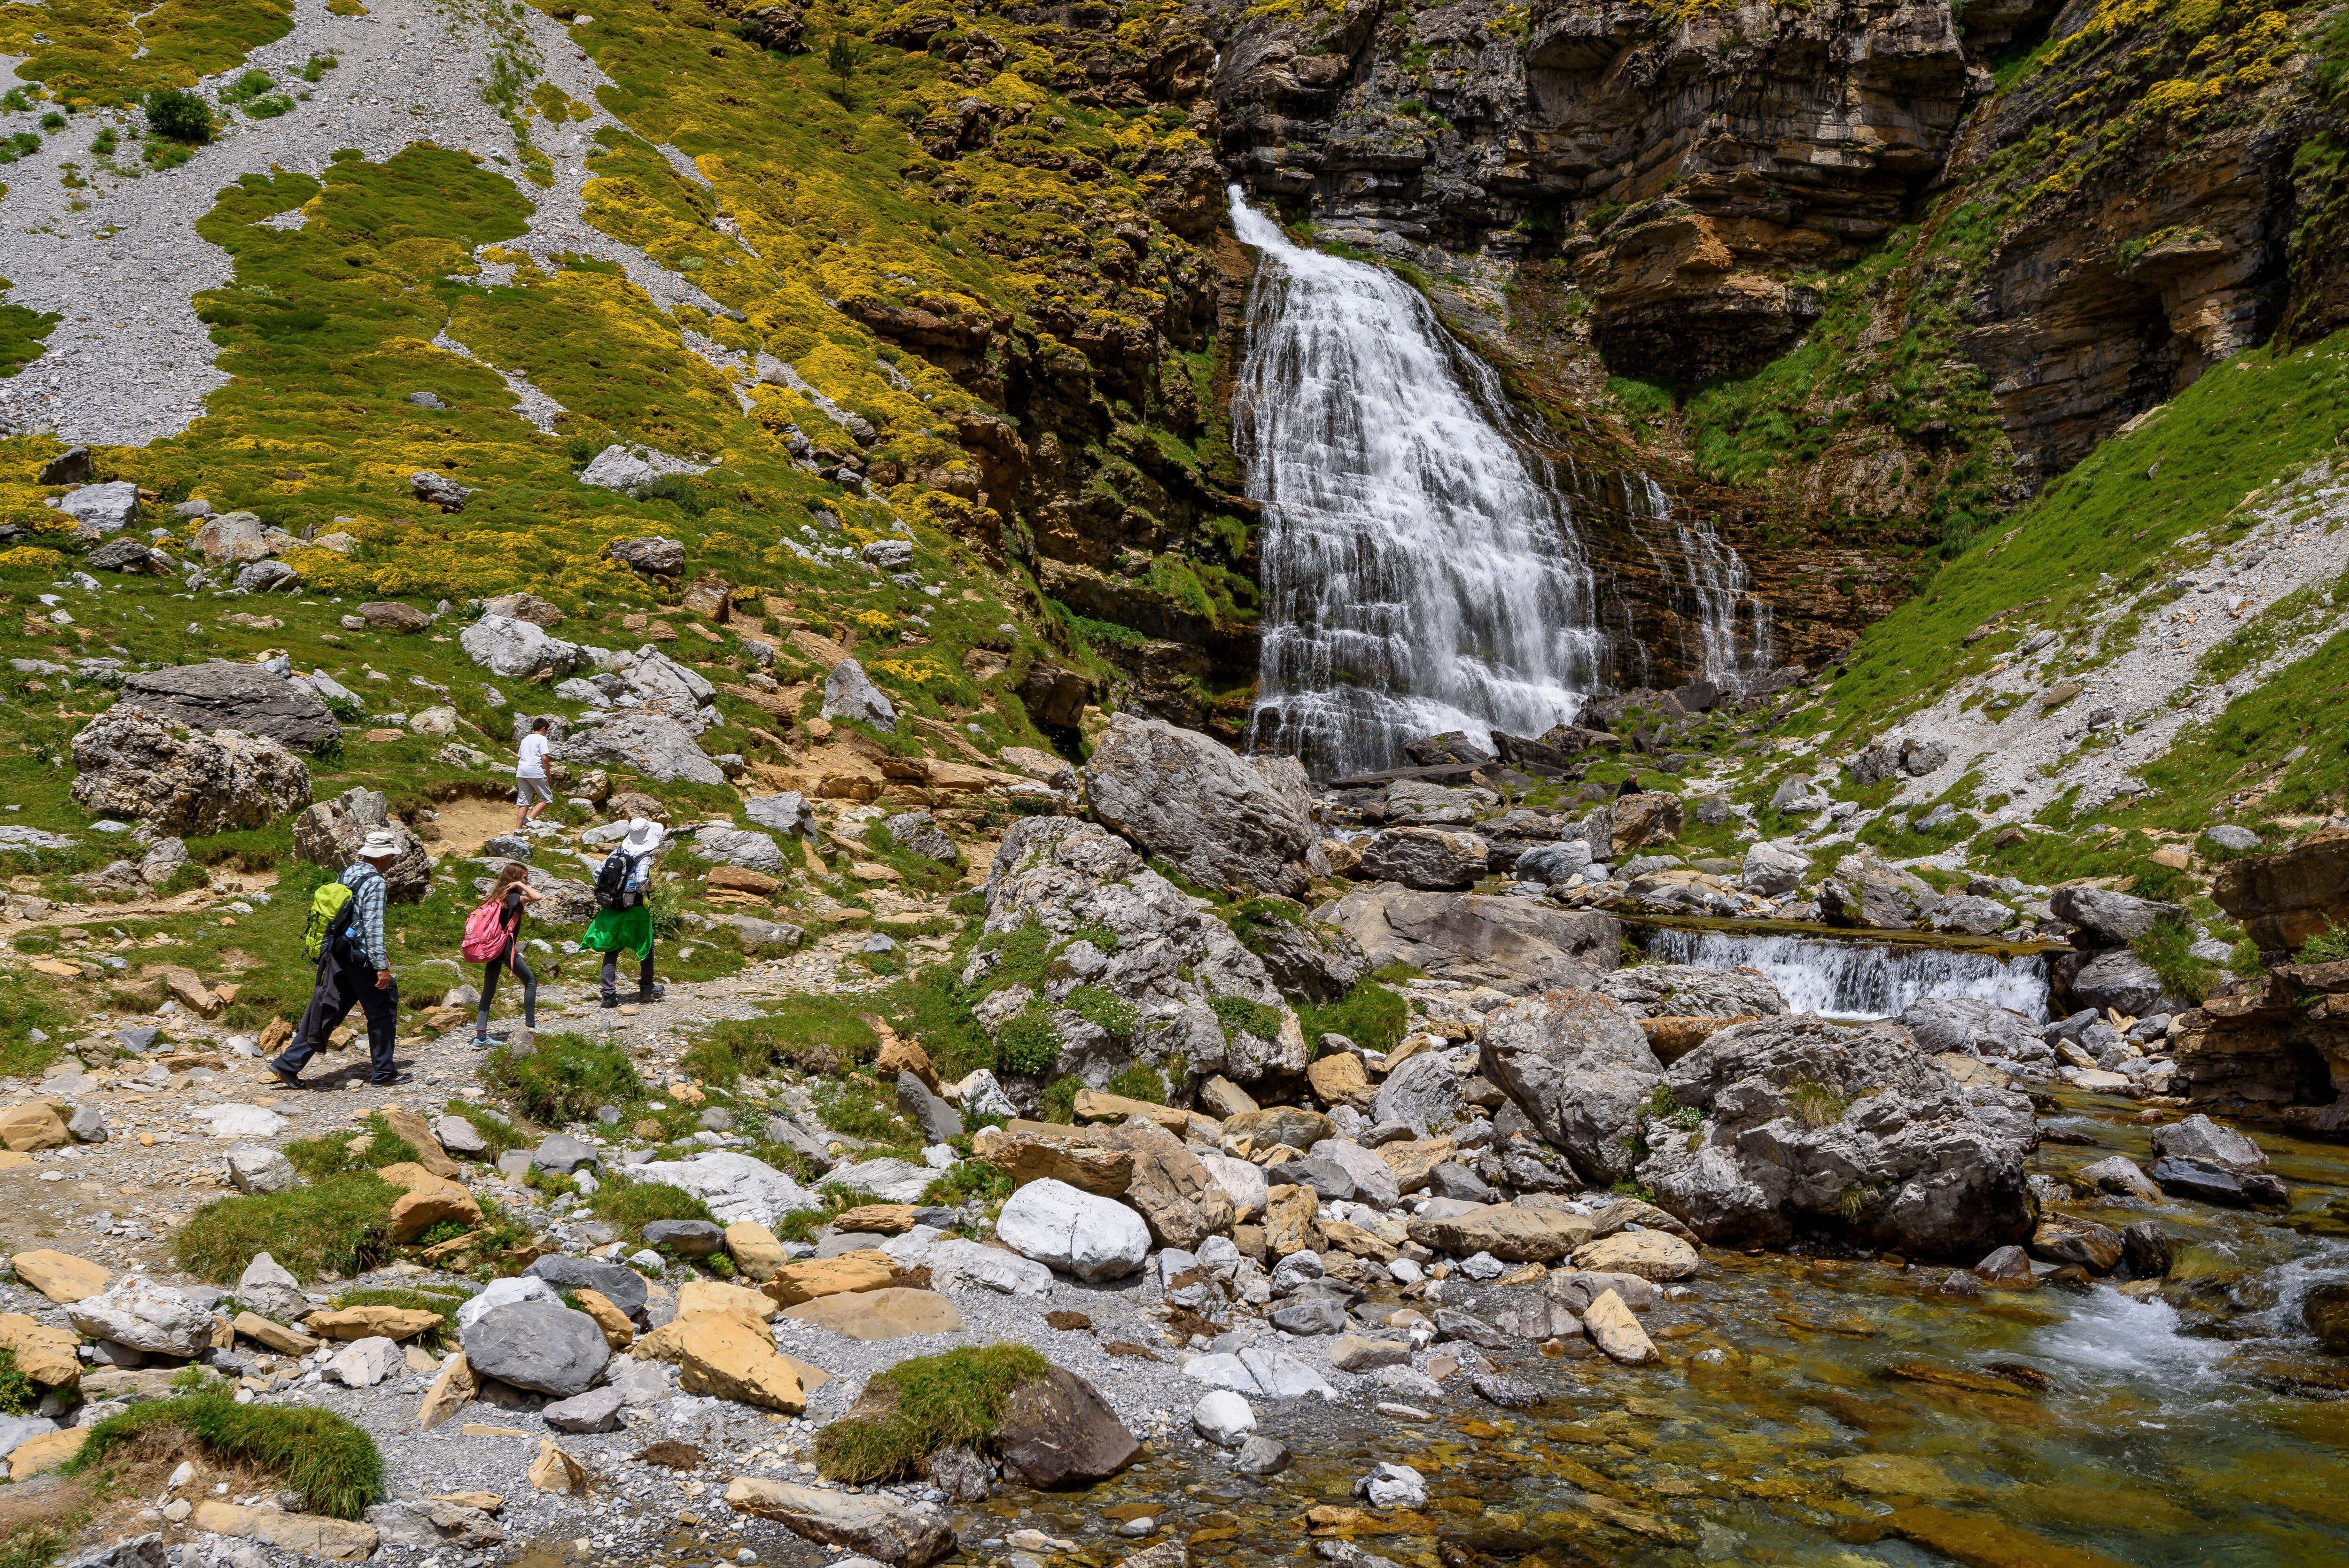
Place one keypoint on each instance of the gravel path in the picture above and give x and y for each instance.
(120, 260)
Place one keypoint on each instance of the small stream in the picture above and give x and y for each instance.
(1861, 979)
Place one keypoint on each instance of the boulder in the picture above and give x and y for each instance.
(374, 1321)
(732, 1355)
(655, 746)
(2072, 1239)
(1651, 1254)
(2204, 1141)
(432, 1521)
(1613, 1328)
(1242, 1182)
(623, 1288)
(1415, 1161)
(61, 1276)
(329, 832)
(1577, 1289)
(2287, 899)
(1309, 961)
(251, 699)
(102, 508)
(849, 693)
(1423, 1094)
(685, 1238)
(1182, 1205)
(1580, 1066)
(786, 813)
(1809, 1124)
(45, 1354)
(183, 784)
(129, 555)
(2108, 919)
(33, 1126)
(1513, 944)
(1216, 818)
(309, 1534)
(1292, 1125)
(897, 1313)
(1641, 820)
(1693, 991)
(2116, 979)
(1944, 1024)
(1553, 864)
(1073, 1232)
(1224, 1419)
(429, 1201)
(2324, 1312)
(520, 650)
(843, 1274)
(919, 832)
(1259, 1372)
(1057, 1431)
(1028, 1151)
(366, 1362)
(2215, 1184)
(620, 470)
(1428, 859)
(1373, 1179)
(147, 1317)
(537, 1345)
(957, 1265)
(1771, 870)
(2120, 1175)
(1511, 1233)
(877, 1527)
(939, 1122)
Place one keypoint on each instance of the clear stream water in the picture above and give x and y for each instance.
(1861, 979)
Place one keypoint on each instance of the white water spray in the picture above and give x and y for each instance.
(1421, 569)
(1715, 584)
(1862, 979)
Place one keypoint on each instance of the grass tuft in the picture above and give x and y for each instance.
(18, 1393)
(630, 1206)
(814, 1034)
(444, 1304)
(1369, 1014)
(332, 1463)
(954, 1400)
(565, 1077)
(339, 1225)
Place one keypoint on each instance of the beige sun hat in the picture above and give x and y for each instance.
(379, 845)
(644, 836)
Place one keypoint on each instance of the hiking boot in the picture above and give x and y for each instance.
(611, 1001)
(652, 994)
(393, 1081)
(285, 1078)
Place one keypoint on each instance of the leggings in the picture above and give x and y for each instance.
(521, 966)
(643, 974)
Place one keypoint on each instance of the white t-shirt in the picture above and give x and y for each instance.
(533, 757)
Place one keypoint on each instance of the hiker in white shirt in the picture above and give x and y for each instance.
(533, 792)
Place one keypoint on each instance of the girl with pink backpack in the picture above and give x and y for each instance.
(492, 934)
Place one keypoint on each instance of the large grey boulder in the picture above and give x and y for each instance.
(597, 1411)
(1693, 991)
(102, 508)
(1513, 944)
(1940, 1025)
(2114, 979)
(2203, 1141)
(1425, 1093)
(623, 1288)
(221, 694)
(128, 763)
(659, 683)
(255, 1169)
(1808, 1125)
(619, 469)
(659, 748)
(938, 1120)
(330, 831)
(1428, 859)
(849, 693)
(1073, 1232)
(1309, 961)
(788, 812)
(2110, 919)
(732, 846)
(1771, 870)
(542, 1346)
(1216, 818)
(736, 1187)
(1553, 864)
(268, 1289)
(652, 555)
(146, 1317)
(519, 649)
(919, 831)
(1579, 1064)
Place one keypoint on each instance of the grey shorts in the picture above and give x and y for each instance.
(532, 791)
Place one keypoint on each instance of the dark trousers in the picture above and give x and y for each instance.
(521, 972)
(338, 991)
(612, 974)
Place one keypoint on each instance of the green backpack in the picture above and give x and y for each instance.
(330, 914)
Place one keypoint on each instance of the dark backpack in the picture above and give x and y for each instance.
(612, 880)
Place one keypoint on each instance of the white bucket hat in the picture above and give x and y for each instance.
(644, 836)
(379, 845)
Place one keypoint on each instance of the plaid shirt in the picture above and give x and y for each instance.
(367, 914)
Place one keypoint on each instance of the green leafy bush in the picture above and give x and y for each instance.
(1026, 1043)
(176, 114)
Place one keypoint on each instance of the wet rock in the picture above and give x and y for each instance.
(1224, 1419)
(1392, 1486)
(2006, 1268)
(537, 1345)
(1611, 1326)
(878, 1527)
(2212, 1184)
(1216, 816)
(1261, 1456)
(1514, 945)
(2110, 919)
(2070, 1239)
(1693, 991)
(964, 1475)
(1509, 1393)
(1579, 1064)
(2116, 980)
(2119, 1174)
(2146, 1248)
(2205, 1142)
(2325, 1311)
(1798, 1112)
(1073, 1232)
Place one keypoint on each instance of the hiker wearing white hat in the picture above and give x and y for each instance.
(354, 965)
(623, 919)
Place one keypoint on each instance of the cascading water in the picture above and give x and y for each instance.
(1421, 569)
(1712, 580)
(1862, 979)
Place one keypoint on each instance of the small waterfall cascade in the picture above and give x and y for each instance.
(1862, 979)
(1713, 581)
(1421, 568)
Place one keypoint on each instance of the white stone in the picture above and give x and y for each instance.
(1266, 1374)
(363, 1363)
(890, 1181)
(617, 468)
(146, 1317)
(267, 1289)
(518, 649)
(737, 1188)
(1771, 870)
(1375, 1179)
(239, 1121)
(1242, 1182)
(849, 693)
(109, 507)
(981, 1094)
(255, 1168)
(1392, 1486)
(1224, 1419)
(725, 844)
(958, 1264)
(1073, 1232)
(500, 1293)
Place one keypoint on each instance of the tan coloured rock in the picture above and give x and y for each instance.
(867, 1268)
(898, 1055)
(1651, 1254)
(1096, 1105)
(1293, 1125)
(893, 1314)
(732, 1355)
(46, 1452)
(368, 1322)
(880, 1219)
(1673, 1037)
(618, 1332)
(1359, 1242)
(450, 1392)
(757, 1253)
(46, 1355)
(697, 1297)
(1613, 1328)
(1223, 1097)
(1181, 1203)
(1412, 1160)
(312, 1534)
(61, 1276)
(1511, 1233)
(1290, 1222)
(556, 1471)
(414, 1132)
(880, 1528)
(276, 1336)
(1340, 1078)
(429, 1200)
(191, 992)
(33, 1126)
(1031, 1151)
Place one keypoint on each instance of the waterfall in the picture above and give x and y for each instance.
(1862, 979)
(1713, 582)
(1421, 569)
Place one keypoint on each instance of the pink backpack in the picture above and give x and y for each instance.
(485, 931)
